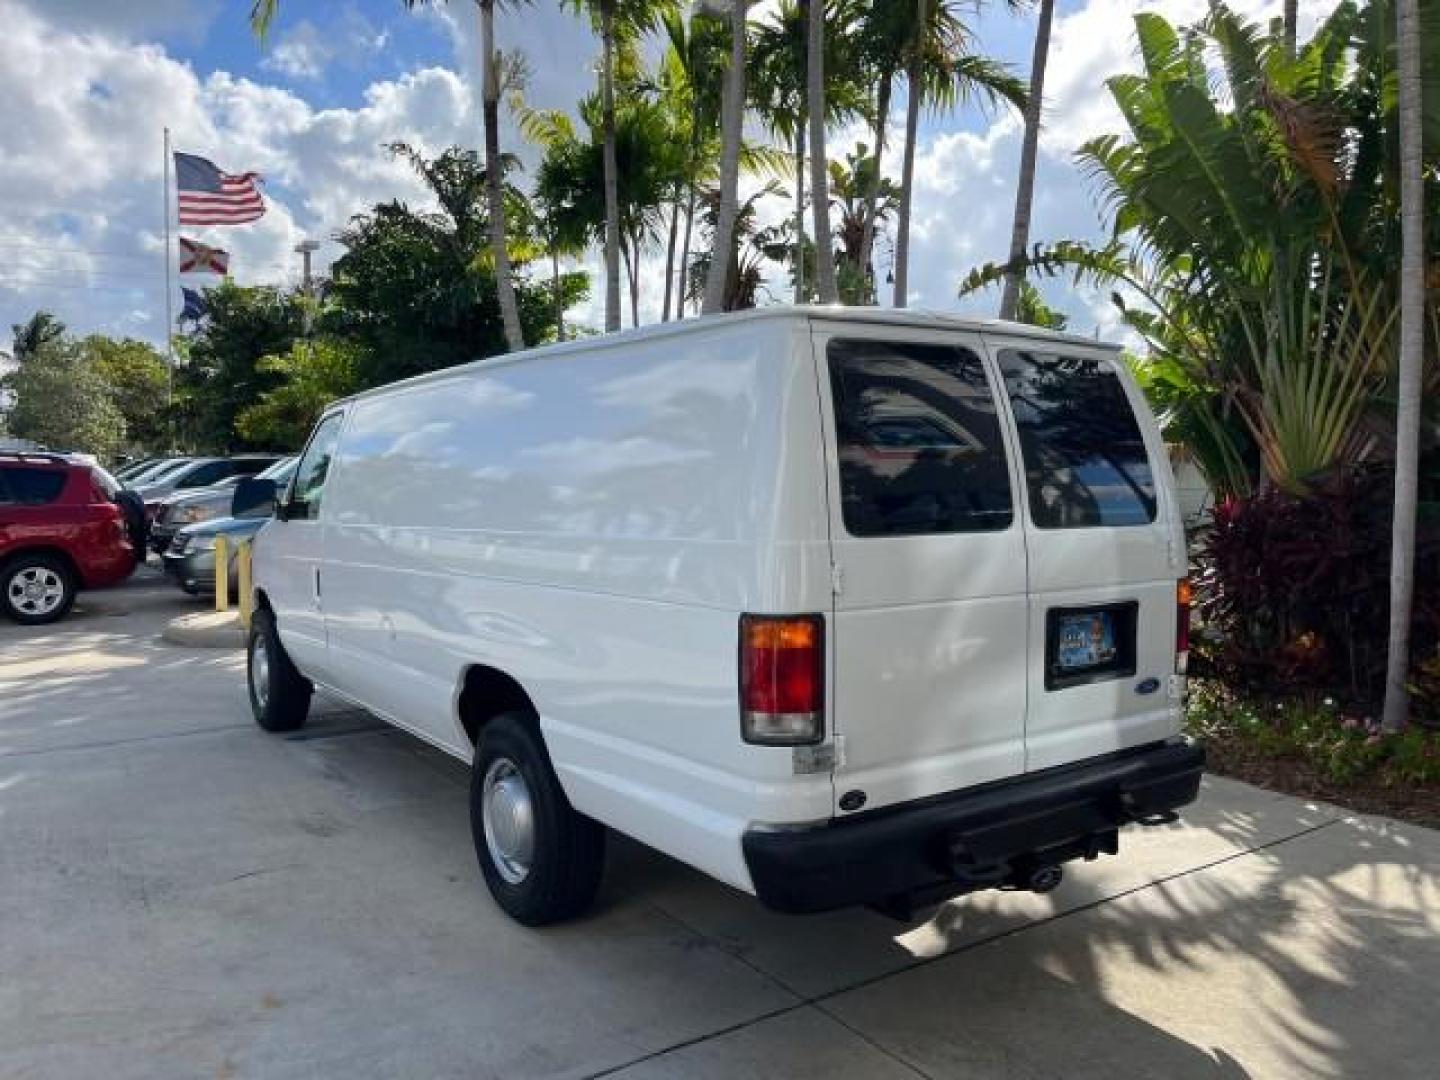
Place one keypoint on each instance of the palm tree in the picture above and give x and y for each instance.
(1025, 188)
(570, 180)
(777, 91)
(751, 248)
(1412, 357)
(819, 179)
(694, 69)
(616, 20)
(914, 77)
(732, 124)
(262, 15)
(31, 336)
(941, 71)
(852, 183)
(777, 81)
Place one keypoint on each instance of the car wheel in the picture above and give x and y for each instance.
(279, 694)
(36, 589)
(542, 860)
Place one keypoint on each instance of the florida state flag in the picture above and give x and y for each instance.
(198, 258)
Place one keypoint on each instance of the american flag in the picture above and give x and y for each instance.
(211, 197)
(198, 258)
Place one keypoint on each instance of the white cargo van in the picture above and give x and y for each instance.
(838, 606)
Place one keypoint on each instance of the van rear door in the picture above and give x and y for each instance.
(1106, 550)
(929, 621)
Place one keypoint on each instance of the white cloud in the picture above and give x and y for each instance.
(305, 51)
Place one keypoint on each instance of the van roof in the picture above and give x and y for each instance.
(873, 316)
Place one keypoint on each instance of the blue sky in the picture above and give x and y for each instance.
(86, 87)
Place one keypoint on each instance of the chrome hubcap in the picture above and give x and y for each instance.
(35, 590)
(260, 672)
(509, 815)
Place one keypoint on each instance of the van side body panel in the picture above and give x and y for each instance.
(593, 524)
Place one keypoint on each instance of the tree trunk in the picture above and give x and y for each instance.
(631, 279)
(670, 258)
(683, 271)
(872, 194)
(914, 92)
(1412, 346)
(612, 182)
(494, 178)
(1025, 187)
(558, 299)
(801, 294)
(732, 123)
(819, 162)
(1288, 20)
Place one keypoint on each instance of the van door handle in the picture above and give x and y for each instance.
(316, 580)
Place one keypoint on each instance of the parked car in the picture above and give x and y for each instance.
(839, 606)
(155, 470)
(190, 559)
(200, 473)
(187, 507)
(61, 530)
(134, 468)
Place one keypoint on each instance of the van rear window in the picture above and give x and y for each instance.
(1085, 459)
(919, 441)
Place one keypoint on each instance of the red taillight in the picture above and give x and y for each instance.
(1182, 625)
(782, 679)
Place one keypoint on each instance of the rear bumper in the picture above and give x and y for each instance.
(977, 838)
(193, 572)
(101, 570)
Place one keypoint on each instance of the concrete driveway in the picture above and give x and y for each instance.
(184, 896)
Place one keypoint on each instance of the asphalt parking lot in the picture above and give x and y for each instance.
(184, 896)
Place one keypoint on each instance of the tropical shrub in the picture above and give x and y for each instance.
(1339, 745)
(1294, 591)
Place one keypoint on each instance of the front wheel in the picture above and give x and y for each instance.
(279, 694)
(542, 860)
(36, 589)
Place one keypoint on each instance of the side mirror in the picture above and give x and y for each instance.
(253, 498)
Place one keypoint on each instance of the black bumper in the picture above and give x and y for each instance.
(994, 834)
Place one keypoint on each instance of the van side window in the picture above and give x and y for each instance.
(309, 481)
(918, 439)
(1085, 459)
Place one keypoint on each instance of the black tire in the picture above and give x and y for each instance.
(24, 574)
(567, 856)
(279, 694)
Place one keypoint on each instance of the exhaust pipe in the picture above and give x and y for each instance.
(1044, 878)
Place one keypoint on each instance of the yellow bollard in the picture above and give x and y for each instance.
(242, 582)
(222, 574)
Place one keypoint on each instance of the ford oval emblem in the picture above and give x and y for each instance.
(1147, 686)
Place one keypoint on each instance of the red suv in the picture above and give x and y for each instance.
(61, 530)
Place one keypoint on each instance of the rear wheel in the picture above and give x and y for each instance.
(542, 860)
(279, 694)
(36, 589)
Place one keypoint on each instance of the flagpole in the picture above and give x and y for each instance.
(169, 303)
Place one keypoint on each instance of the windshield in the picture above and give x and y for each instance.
(156, 472)
(279, 472)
